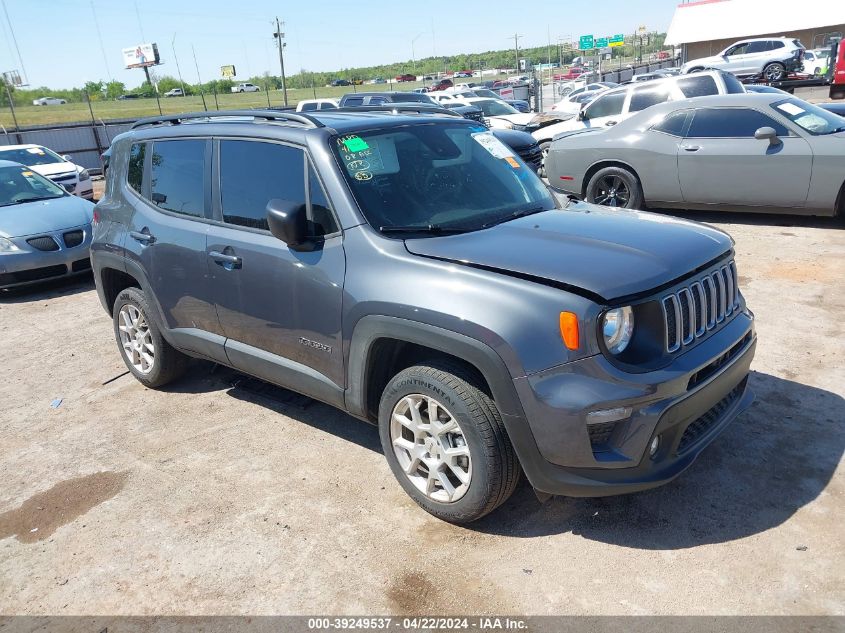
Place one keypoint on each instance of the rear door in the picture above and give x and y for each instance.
(279, 308)
(720, 161)
(170, 197)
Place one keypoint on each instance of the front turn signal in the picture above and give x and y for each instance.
(569, 329)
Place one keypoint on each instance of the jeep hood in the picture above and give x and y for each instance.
(587, 248)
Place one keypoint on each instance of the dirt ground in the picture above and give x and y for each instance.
(207, 498)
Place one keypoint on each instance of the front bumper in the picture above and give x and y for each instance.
(567, 459)
(30, 265)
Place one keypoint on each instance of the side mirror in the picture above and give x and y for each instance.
(767, 134)
(582, 115)
(67, 158)
(288, 223)
(159, 198)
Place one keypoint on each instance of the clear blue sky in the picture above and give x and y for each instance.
(60, 47)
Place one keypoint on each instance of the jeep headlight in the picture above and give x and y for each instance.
(7, 246)
(618, 327)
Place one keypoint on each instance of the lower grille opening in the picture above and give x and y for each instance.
(81, 264)
(600, 434)
(699, 427)
(34, 274)
(43, 243)
(706, 372)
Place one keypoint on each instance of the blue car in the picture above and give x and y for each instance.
(45, 232)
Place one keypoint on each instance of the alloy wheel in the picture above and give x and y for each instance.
(431, 448)
(612, 191)
(136, 338)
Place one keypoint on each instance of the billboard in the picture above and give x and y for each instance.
(227, 72)
(140, 56)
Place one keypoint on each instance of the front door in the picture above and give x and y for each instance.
(280, 309)
(167, 188)
(720, 161)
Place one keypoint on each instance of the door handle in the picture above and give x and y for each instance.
(691, 148)
(228, 262)
(142, 236)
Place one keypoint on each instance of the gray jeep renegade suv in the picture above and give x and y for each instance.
(414, 272)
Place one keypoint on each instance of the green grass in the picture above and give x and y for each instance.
(136, 108)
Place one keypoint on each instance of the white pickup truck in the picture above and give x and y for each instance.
(247, 87)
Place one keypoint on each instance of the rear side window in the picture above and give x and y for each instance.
(758, 47)
(327, 106)
(732, 84)
(643, 98)
(698, 86)
(178, 175)
(731, 123)
(775, 44)
(135, 173)
(606, 105)
(673, 124)
(354, 101)
(308, 107)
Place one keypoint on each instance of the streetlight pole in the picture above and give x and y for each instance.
(176, 59)
(279, 36)
(413, 54)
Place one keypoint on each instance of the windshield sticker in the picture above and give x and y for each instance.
(791, 108)
(26, 173)
(512, 162)
(492, 144)
(363, 175)
(355, 144)
(35, 150)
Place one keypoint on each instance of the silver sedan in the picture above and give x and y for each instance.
(740, 152)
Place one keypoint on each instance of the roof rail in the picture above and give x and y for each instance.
(396, 108)
(265, 115)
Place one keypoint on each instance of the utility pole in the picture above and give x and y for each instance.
(199, 80)
(176, 59)
(516, 49)
(279, 37)
(6, 82)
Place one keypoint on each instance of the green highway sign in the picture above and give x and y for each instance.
(617, 40)
(585, 42)
(601, 42)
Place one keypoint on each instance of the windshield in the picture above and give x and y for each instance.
(19, 184)
(438, 176)
(815, 120)
(486, 93)
(31, 156)
(495, 108)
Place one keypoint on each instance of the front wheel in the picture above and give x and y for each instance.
(774, 72)
(544, 149)
(445, 443)
(615, 187)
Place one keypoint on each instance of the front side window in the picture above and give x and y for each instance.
(178, 176)
(495, 108)
(698, 86)
(354, 101)
(739, 49)
(606, 105)
(135, 173)
(731, 123)
(437, 176)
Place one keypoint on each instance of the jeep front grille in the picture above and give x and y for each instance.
(692, 311)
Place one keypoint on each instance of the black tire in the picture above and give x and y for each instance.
(774, 71)
(695, 70)
(168, 363)
(544, 148)
(603, 184)
(495, 467)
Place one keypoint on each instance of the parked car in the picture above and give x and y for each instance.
(567, 103)
(174, 92)
(749, 152)
(613, 106)
(573, 73)
(518, 104)
(48, 101)
(500, 115)
(245, 87)
(441, 84)
(310, 105)
(339, 82)
(836, 108)
(461, 74)
(128, 95)
(405, 77)
(530, 300)
(816, 61)
(773, 58)
(61, 170)
(379, 98)
(45, 233)
(379, 80)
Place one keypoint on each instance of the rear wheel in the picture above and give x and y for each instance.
(445, 443)
(774, 71)
(544, 149)
(615, 187)
(151, 359)
(697, 69)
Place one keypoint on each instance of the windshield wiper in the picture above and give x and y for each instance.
(516, 214)
(428, 228)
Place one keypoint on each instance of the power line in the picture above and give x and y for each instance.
(15, 41)
(140, 26)
(100, 38)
